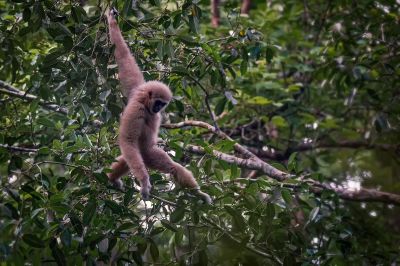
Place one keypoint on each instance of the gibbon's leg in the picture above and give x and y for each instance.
(119, 168)
(158, 159)
(135, 162)
(245, 7)
(215, 13)
(129, 73)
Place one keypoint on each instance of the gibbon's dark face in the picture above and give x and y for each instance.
(158, 106)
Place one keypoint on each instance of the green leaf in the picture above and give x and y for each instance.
(237, 217)
(89, 211)
(126, 226)
(114, 207)
(219, 108)
(259, 100)
(13, 194)
(269, 54)
(33, 241)
(268, 85)
(168, 225)
(76, 223)
(154, 251)
(160, 50)
(287, 196)
(270, 211)
(128, 196)
(292, 163)
(178, 237)
(101, 177)
(177, 20)
(66, 237)
(57, 253)
(278, 166)
(26, 14)
(127, 7)
(194, 24)
(177, 215)
(243, 67)
(313, 214)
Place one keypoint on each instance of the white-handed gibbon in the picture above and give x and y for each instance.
(140, 122)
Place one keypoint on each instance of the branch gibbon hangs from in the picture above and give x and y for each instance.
(140, 122)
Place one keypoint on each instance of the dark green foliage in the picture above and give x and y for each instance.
(292, 72)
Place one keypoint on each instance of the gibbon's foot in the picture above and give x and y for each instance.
(145, 188)
(204, 196)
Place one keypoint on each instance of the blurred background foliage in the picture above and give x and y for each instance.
(309, 86)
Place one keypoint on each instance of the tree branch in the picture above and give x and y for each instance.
(17, 149)
(246, 163)
(303, 147)
(251, 161)
(6, 88)
(269, 169)
(369, 195)
(254, 163)
(248, 245)
(345, 144)
(362, 194)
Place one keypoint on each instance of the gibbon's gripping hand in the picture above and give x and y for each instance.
(113, 12)
(118, 184)
(111, 16)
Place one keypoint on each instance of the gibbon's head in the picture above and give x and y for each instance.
(159, 96)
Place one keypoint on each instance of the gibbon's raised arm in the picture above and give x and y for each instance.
(129, 72)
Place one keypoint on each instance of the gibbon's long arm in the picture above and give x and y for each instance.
(129, 72)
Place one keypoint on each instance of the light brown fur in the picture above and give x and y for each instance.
(139, 123)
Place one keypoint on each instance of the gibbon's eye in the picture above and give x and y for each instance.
(158, 105)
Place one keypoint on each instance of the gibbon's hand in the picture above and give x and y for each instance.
(204, 196)
(111, 16)
(113, 12)
(118, 184)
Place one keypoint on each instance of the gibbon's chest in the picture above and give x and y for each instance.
(150, 130)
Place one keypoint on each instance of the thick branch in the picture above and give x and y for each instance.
(246, 163)
(14, 92)
(251, 161)
(370, 195)
(210, 128)
(268, 169)
(345, 144)
(362, 194)
(279, 155)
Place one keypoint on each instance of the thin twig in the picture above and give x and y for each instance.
(248, 246)
(18, 149)
(14, 92)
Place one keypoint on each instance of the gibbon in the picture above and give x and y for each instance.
(140, 122)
